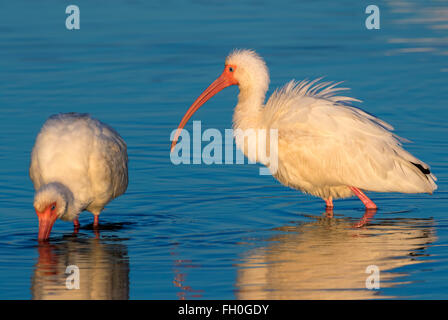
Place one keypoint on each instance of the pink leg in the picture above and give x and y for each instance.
(329, 202)
(96, 221)
(75, 226)
(96, 225)
(329, 207)
(367, 202)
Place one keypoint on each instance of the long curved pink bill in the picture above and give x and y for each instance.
(222, 82)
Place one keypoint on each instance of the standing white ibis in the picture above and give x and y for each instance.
(78, 163)
(326, 147)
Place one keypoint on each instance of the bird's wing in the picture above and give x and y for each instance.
(34, 171)
(108, 163)
(61, 153)
(336, 143)
(58, 151)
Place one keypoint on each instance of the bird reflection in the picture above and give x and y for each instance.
(181, 267)
(327, 259)
(103, 270)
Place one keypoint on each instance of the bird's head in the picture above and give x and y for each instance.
(248, 69)
(50, 204)
(244, 68)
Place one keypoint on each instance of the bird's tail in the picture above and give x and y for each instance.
(417, 172)
(429, 178)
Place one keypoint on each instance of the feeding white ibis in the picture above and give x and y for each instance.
(78, 163)
(326, 147)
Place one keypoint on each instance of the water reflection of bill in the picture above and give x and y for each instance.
(327, 259)
(103, 270)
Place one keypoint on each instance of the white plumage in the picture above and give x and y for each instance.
(78, 163)
(326, 147)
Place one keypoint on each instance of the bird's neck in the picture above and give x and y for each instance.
(248, 111)
(248, 120)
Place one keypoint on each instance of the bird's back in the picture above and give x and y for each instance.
(84, 154)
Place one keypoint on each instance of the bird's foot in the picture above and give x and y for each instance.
(329, 207)
(75, 226)
(328, 212)
(329, 202)
(96, 221)
(96, 226)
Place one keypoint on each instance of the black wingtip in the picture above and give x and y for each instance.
(421, 168)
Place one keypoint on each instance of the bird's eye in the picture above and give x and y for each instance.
(53, 207)
(231, 69)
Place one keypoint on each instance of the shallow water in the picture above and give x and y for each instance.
(220, 231)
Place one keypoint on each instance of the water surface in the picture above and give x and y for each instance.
(220, 231)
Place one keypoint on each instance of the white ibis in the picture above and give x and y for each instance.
(78, 163)
(326, 147)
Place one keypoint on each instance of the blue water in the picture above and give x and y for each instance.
(220, 231)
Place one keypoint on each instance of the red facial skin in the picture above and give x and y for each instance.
(225, 80)
(46, 221)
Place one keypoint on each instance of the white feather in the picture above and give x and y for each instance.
(78, 162)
